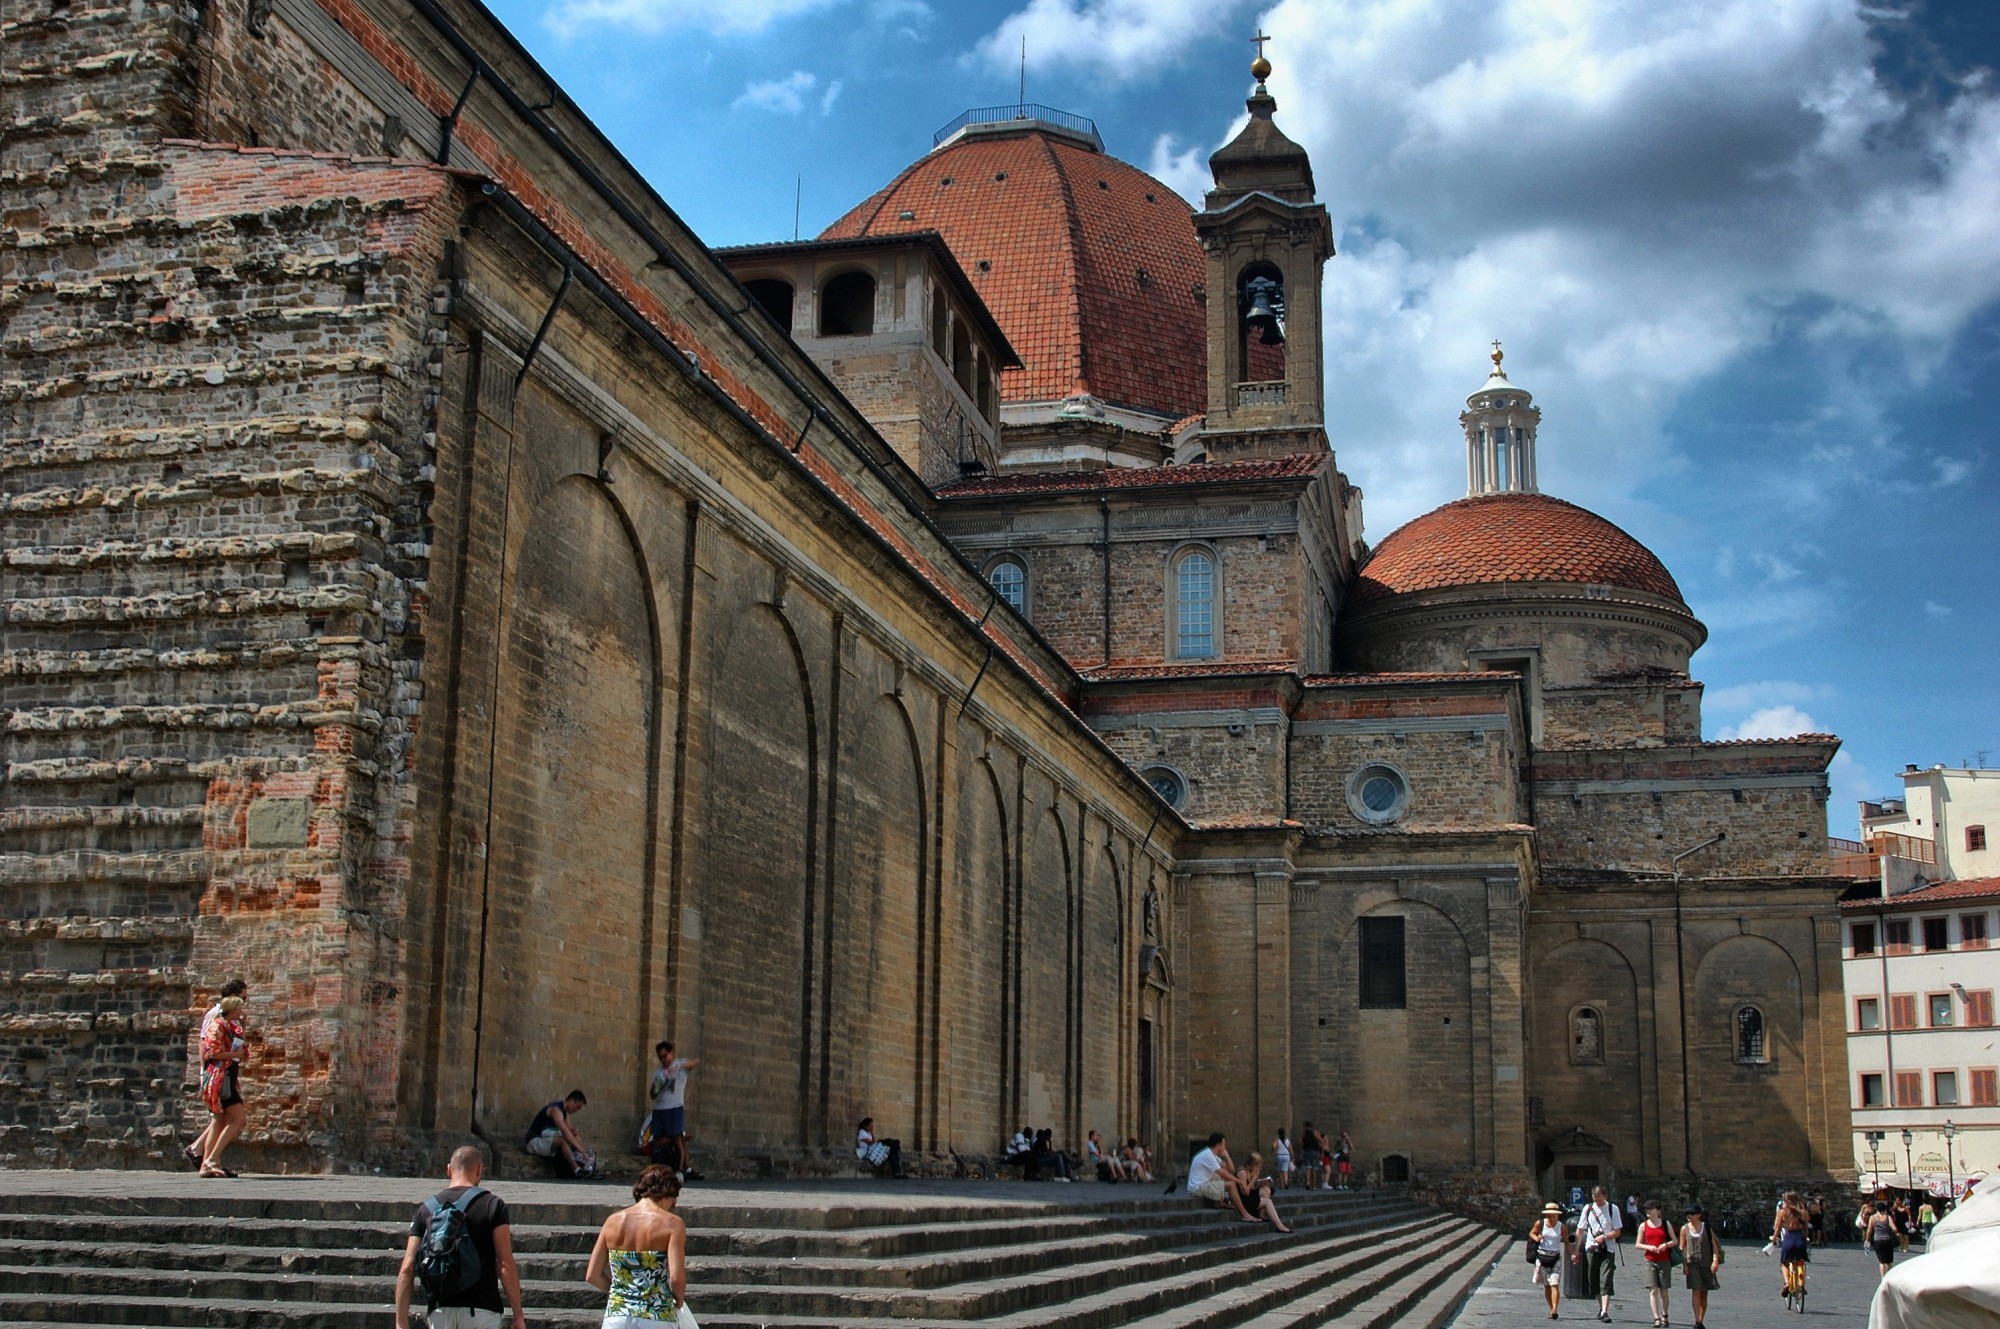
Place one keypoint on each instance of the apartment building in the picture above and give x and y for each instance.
(1920, 970)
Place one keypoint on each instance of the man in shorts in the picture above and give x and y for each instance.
(1311, 1153)
(479, 1306)
(1212, 1180)
(1343, 1160)
(669, 1121)
(553, 1134)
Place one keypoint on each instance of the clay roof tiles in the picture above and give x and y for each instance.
(1089, 264)
(1500, 538)
(1972, 888)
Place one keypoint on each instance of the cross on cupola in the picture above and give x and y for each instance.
(1500, 421)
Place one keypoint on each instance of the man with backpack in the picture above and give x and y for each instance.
(462, 1252)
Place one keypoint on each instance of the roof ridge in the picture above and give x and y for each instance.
(1071, 254)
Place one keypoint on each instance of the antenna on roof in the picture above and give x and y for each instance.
(1023, 102)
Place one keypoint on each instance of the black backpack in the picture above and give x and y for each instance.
(448, 1259)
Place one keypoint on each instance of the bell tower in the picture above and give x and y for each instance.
(1267, 240)
(1500, 421)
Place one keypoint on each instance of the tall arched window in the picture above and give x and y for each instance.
(1011, 580)
(847, 306)
(1194, 616)
(1750, 1043)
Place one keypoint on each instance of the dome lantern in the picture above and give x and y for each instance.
(1500, 421)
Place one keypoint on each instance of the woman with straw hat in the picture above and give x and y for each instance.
(1551, 1239)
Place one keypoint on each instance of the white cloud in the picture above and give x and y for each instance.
(785, 96)
(1120, 39)
(1780, 721)
(1632, 195)
(718, 16)
(830, 96)
(1185, 172)
(1936, 610)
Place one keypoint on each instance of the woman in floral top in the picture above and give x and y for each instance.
(222, 1051)
(641, 1257)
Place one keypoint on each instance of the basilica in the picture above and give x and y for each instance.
(934, 671)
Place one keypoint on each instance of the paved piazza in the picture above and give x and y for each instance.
(1838, 1290)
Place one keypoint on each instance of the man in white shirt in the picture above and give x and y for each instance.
(1212, 1180)
(668, 1088)
(1597, 1242)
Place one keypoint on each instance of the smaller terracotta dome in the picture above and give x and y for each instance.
(1503, 538)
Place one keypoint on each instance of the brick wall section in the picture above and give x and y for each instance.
(212, 410)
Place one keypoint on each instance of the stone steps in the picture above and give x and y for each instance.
(860, 1260)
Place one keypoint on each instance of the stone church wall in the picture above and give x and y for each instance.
(491, 717)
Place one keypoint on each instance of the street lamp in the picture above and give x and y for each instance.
(1909, 1138)
(1874, 1139)
(1950, 1166)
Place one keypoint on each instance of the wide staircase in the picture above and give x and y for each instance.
(1359, 1260)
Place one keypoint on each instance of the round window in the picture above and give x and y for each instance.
(1168, 784)
(1378, 794)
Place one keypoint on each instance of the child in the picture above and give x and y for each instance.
(1282, 1153)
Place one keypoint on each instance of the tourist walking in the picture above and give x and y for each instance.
(1551, 1238)
(222, 1046)
(640, 1260)
(1656, 1243)
(461, 1247)
(1597, 1237)
(1281, 1158)
(1701, 1262)
(1878, 1229)
(668, 1124)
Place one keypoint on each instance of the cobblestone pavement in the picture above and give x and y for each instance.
(1838, 1290)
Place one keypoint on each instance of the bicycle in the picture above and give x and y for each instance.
(1795, 1286)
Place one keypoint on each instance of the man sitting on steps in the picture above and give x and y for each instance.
(1212, 1179)
(553, 1134)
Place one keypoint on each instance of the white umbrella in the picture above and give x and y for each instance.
(1955, 1284)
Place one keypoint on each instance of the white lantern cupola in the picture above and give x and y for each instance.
(1500, 422)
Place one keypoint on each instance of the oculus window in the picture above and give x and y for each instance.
(1378, 794)
(1169, 784)
(1383, 986)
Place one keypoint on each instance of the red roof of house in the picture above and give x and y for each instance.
(1972, 888)
(1499, 538)
(1298, 466)
(1090, 265)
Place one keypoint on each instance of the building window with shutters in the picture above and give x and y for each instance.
(1937, 934)
(1193, 603)
(1979, 1008)
(1382, 976)
(1861, 938)
(1902, 1010)
(1896, 936)
(1972, 931)
(1986, 1087)
(1909, 1088)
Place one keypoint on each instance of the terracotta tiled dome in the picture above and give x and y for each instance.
(1090, 265)
(1501, 538)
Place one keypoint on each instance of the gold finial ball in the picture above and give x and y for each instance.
(1496, 356)
(1260, 69)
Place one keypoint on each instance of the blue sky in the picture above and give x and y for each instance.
(1746, 254)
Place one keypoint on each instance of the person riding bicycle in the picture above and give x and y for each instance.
(1789, 1227)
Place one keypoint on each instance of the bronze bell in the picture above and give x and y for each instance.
(1262, 317)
